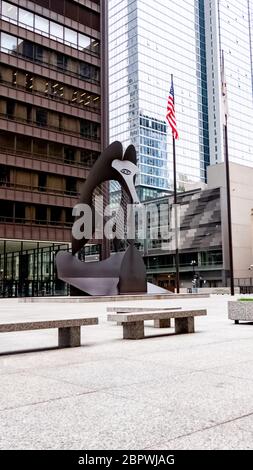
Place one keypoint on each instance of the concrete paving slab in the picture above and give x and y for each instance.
(242, 369)
(94, 421)
(189, 391)
(110, 374)
(212, 398)
(21, 389)
(246, 423)
(205, 357)
(229, 436)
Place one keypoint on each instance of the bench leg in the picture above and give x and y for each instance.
(133, 330)
(236, 322)
(162, 323)
(184, 325)
(69, 337)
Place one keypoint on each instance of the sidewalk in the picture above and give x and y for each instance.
(177, 392)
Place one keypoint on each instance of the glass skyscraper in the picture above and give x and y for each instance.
(149, 41)
(229, 28)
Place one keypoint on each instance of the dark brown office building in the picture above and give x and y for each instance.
(52, 106)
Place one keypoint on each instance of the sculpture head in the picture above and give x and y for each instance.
(127, 172)
(112, 165)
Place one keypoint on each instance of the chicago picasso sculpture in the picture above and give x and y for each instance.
(123, 272)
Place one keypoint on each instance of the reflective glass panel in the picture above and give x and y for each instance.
(56, 31)
(26, 18)
(8, 43)
(26, 48)
(10, 11)
(70, 36)
(42, 25)
(95, 46)
(84, 42)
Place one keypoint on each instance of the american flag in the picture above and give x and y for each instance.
(171, 115)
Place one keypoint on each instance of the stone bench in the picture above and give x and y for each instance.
(133, 323)
(69, 331)
(158, 323)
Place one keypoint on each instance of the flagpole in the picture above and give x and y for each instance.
(175, 208)
(227, 169)
(176, 218)
(230, 236)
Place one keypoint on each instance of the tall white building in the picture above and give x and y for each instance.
(229, 28)
(151, 39)
(148, 41)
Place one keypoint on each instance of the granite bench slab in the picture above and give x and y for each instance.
(133, 323)
(69, 330)
(158, 323)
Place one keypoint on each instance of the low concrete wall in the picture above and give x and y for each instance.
(214, 290)
(113, 298)
(218, 290)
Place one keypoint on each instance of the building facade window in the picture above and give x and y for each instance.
(8, 43)
(41, 117)
(56, 31)
(26, 18)
(34, 52)
(10, 11)
(41, 25)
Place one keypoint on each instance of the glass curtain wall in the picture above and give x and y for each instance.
(147, 44)
(28, 268)
(41, 25)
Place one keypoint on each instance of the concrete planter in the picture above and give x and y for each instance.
(240, 311)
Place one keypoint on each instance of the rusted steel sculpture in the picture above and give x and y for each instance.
(122, 272)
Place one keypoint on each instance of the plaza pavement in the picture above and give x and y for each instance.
(165, 392)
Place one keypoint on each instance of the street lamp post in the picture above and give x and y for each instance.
(251, 269)
(193, 264)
